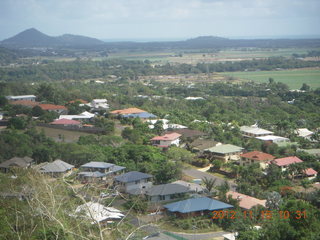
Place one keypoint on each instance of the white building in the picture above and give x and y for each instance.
(254, 131)
(134, 180)
(82, 116)
(22, 97)
(273, 139)
(98, 104)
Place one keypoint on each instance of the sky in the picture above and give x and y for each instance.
(162, 19)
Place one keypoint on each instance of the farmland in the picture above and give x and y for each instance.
(293, 78)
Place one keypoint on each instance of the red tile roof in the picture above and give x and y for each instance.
(310, 172)
(128, 111)
(245, 201)
(286, 161)
(26, 103)
(259, 156)
(52, 107)
(167, 137)
(64, 121)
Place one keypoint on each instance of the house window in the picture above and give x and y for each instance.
(162, 197)
(136, 182)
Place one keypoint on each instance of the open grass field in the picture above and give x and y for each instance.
(293, 78)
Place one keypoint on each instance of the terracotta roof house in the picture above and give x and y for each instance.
(255, 157)
(195, 207)
(26, 103)
(166, 140)
(127, 111)
(283, 163)
(21, 97)
(66, 122)
(53, 108)
(224, 152)
(245, 201)
(133, 181)
(24, 162)
(310, 173)
(254, 131)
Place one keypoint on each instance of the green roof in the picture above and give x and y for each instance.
(224, 149)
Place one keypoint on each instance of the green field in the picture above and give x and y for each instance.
(293, 78)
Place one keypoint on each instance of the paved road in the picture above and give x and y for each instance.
(198, 174)
(188, 236)
(201, 236)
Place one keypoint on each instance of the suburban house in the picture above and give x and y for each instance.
(283, 163)
(304, 133)
(82, 116)
(22, 97)
(195, 207)
(199, 145)
(132, 181)
(56, 168)
(18, 162)
(254, 131)
(53, 108)
(224, 152)
(273, 139)
(246, 202)
(98, 213)
(193, 187)
(166, 192)
(97, 171)
(310, 173)
(66, 122)
(98, 104)
(256, 157)
(166, 140)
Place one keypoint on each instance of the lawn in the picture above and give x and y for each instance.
(293, 78)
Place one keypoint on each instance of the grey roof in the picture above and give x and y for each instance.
(167, 189)
(56, 166)
(197, 204)
(97, 165)
(202, 144)
(194, 187)
(17, 161)
(132, 176)
(224, 149)
(117, 168)
(92, 174)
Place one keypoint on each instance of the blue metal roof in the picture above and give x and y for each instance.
(140, 115)
(197, 204)
(132, 176)
(97, 165)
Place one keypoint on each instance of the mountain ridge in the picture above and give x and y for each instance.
(34, 38)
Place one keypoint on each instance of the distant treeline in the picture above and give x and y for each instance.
(126, 70)
(313, 53)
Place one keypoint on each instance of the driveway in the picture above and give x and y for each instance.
(199, 174)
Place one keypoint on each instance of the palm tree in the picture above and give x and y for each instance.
(209, 183)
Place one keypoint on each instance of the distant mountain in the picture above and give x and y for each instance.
(79, 40)
(34, 38)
